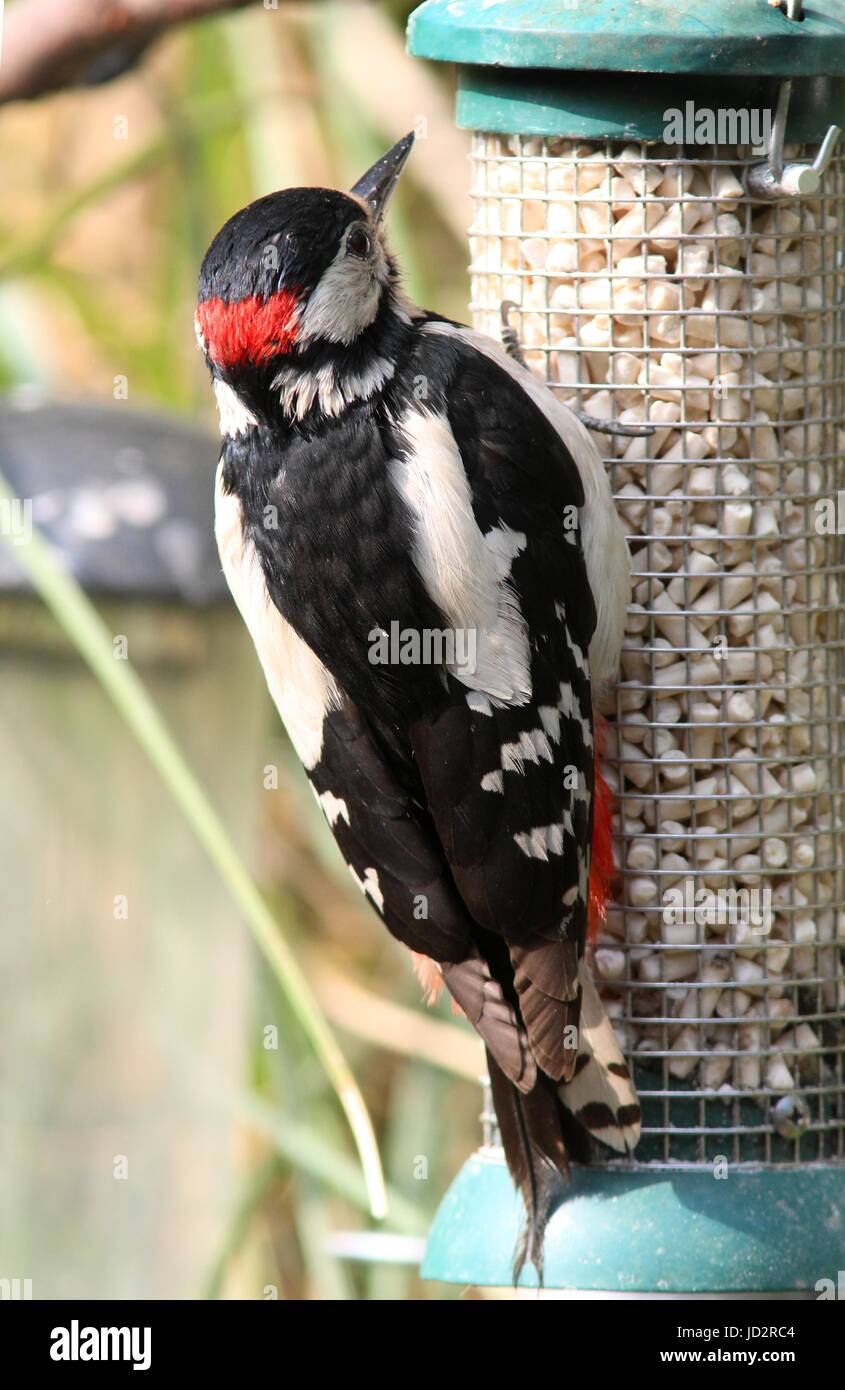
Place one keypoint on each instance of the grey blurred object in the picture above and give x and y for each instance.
(126, 495)
(124, 970)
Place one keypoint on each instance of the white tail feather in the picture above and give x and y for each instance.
(601, 1094)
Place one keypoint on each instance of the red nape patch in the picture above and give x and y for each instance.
(601, 864)
(250, 330)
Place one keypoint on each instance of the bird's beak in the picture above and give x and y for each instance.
(375, 188)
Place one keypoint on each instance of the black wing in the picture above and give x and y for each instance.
(510, 788)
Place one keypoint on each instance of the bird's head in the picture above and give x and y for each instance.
(297, 272)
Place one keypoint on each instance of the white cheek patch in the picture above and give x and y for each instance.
(346, 299)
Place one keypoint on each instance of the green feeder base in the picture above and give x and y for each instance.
(657, 1230)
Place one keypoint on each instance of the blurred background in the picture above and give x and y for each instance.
(166, 1130)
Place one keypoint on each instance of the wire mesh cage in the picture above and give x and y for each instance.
(650, 288)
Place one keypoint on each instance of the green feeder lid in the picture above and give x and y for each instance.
(671, 36)
(529, 66)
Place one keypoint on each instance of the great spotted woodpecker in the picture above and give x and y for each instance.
(387, 471)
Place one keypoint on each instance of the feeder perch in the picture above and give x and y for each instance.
(658, 190)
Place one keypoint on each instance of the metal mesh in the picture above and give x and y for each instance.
(650, 288)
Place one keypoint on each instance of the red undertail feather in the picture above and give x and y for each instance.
(601, 862)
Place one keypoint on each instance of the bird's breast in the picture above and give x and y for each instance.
(302, 688)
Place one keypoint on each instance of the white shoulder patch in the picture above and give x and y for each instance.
(606, 554)
(303, 690)
(465, 573)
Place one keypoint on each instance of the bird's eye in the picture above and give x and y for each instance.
(358, 242)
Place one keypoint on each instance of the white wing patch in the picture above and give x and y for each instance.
(550, 719)
(301, 687)
(493, 781)
(541, 744)
(334, 807)
(568, 707)
(516, 755)
(370, 885)
(544, 840)
(465, 572)
(530, 747)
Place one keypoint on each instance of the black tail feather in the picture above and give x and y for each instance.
(538, 1137)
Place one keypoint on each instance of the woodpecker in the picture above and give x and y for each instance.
(388, 472)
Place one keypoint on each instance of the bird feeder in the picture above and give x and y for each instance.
(658, 195)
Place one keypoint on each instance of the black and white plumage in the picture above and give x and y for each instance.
(382, 470)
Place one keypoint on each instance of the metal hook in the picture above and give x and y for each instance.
(773, 179)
